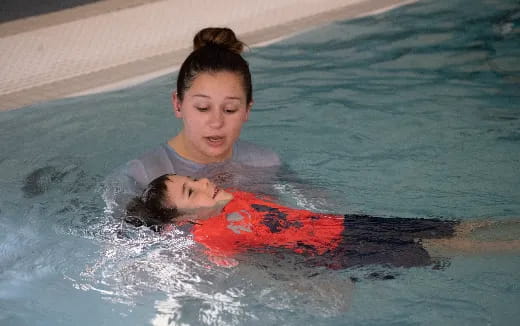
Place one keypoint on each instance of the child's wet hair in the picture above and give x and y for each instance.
(150, 208)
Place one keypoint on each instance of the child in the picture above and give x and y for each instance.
(231, 222)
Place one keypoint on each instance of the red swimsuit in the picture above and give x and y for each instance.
(249, 222)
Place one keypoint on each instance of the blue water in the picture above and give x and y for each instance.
(414, 112)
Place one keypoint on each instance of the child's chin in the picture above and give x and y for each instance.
(225, 197)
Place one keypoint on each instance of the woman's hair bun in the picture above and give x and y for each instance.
(219, 36)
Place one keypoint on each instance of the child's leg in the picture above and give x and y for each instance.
(478, 237)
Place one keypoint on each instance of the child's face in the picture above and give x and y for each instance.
(188, 194)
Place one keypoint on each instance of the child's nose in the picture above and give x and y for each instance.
(204, 182)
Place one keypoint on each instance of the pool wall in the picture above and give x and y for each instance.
(111, 44)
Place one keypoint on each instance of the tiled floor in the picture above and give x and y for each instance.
(113, 43)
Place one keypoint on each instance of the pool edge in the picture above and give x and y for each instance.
(147, 68)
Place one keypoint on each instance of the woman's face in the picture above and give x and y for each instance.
(213, 110)
(188, 194)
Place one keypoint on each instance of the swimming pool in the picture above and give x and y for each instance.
(414, 112)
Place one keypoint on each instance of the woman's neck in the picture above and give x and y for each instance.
(187, 151)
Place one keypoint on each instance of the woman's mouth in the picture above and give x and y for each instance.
(215, 140)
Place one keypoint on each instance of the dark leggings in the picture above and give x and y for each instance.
(369, 240)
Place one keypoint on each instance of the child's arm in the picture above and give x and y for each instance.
(223, 261)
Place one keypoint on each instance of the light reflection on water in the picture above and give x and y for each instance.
(409, 113)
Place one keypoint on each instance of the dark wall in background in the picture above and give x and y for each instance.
(16, 9)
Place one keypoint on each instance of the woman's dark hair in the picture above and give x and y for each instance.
(149, 209)
(214, 50)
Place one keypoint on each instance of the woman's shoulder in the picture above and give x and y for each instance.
(151, 164)
(252, 154)
(153, 155)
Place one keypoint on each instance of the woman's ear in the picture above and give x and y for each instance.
(176, 104)
(248, 110)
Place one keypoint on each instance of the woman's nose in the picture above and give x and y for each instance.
(216, 119)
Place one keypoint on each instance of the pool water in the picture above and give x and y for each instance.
(411, 113)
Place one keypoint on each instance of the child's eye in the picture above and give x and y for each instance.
(230, 110)
(202, 109)
(189, 193)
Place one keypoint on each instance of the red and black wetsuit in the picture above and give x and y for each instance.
(338, 241)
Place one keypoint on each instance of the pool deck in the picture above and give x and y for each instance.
(112, 44)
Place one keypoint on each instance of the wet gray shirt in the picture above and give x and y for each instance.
(135, 175)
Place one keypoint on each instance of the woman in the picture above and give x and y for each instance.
(228, 223)
(214, 97)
